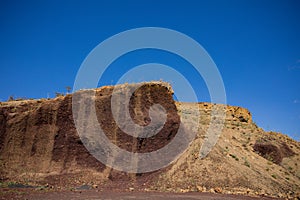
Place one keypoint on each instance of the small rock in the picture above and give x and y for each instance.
(131, 189)
(40, 188)
(280, 195)
(212, 190)
(184, 190)
(95, 186)
(218, 190)
(84, 187)
(201, 189)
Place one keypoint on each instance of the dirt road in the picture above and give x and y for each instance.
(93, 194)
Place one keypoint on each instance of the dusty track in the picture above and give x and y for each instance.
(93, 194)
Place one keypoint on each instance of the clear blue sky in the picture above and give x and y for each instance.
(255, 44)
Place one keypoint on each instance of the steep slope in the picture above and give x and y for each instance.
(39, 144)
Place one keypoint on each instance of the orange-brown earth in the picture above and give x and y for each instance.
(39, 146)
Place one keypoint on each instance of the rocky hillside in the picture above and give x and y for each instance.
(39, 145)
(245, 160)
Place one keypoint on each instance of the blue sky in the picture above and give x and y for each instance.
(255, 44)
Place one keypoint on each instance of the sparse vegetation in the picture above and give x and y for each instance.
(11, 98)
(246, 163)
(68, 88)
(58, 94)
(274, 176)
(234, 156)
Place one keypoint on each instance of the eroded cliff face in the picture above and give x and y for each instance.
(39, 143)
(39, 137)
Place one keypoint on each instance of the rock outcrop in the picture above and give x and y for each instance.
(40, 144)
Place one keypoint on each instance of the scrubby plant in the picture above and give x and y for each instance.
(234, 156)
(68, 88)
(58, 94)
(11, 98)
